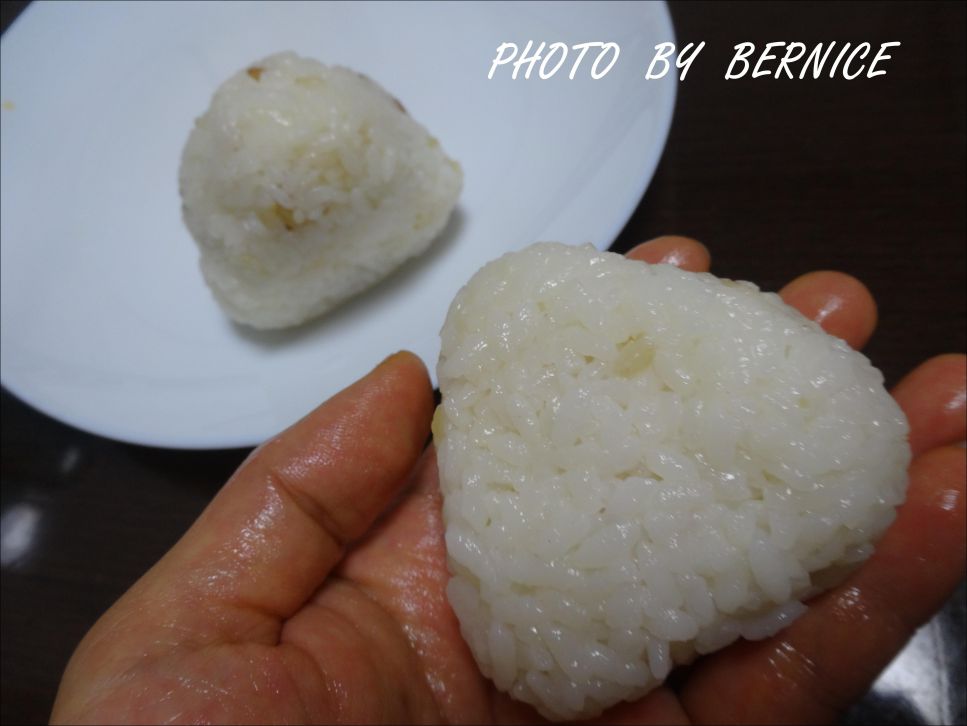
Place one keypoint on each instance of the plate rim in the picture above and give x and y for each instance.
(665, 110)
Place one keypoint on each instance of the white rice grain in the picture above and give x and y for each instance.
(304, 184)
(640, 464)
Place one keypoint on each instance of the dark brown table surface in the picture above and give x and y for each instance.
(778, 177)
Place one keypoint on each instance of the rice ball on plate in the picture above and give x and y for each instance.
(641, 464)
(304, 184)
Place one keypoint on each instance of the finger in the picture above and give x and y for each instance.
(659, 706)
(683, 252)
(828, 658)
(268, 539)
(934, 398)
(840, 303)
(402, 565)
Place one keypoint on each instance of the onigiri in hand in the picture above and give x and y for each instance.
(304, 184)
(641, 464)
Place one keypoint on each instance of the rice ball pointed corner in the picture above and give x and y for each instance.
(304, 184)
(641, 464)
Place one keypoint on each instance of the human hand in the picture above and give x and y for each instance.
(292, 599)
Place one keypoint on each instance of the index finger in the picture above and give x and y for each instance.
(683, 252)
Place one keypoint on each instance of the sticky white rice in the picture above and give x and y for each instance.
(304, 184)
(641, 464)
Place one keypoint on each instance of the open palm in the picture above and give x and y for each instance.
(312, 588)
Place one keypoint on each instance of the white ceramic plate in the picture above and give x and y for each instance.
(106, 322)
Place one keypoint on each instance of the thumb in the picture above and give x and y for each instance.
(272, 534)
